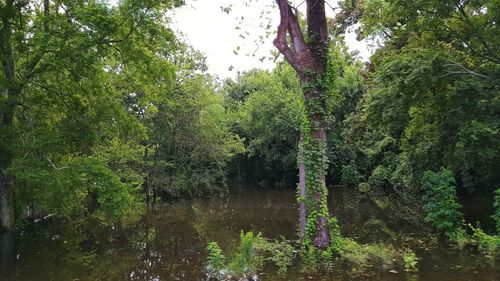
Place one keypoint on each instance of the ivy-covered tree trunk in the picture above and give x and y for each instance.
(308, 58)
(302, 188)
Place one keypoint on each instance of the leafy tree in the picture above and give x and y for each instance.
(191, 140)
(432, 94)
(269, 119)
(307, 54)
(58, 109)
(441, 204)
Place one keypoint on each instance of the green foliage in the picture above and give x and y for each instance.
(410, 261)
(461, 238)
(79, 186)
(266, 111)
(216, 260)
(251, 254)
(190, 141)
(280, 253)
(350, 175)
(362, 256)
(488, 245)
(441, 203)
(420, 89)
(309, 258)
(496, 215)
(246, 262)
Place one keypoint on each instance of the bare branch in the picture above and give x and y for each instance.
(464, 70)
(54, 166)
(295, 31)
(280, 42)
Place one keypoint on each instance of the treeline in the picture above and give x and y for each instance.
(104, 109)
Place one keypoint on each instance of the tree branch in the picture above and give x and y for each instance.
(280, 41)
(464, 70)
(295, 31)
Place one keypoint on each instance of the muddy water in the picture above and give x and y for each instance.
(168, 244)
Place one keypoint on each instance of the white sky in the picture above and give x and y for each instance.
(210, 30)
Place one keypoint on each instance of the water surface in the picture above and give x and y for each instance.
(169, 243)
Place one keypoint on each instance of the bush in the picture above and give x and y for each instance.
(441, 204)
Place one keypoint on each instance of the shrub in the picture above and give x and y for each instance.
(441, 204)
(309, 259)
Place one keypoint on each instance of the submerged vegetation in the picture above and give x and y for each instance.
(105, 113)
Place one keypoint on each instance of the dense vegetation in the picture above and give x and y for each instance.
(105, 111)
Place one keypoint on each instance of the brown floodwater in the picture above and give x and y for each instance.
(169, 243)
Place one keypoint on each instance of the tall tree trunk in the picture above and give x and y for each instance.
(308, 58)
(316, 167)
(6, 209)
(10, 89)
(7, 253)
(6, 156)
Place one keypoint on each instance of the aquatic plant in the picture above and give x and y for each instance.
(361, 256)
(251, 253)
(281, 253)
(216, 261)
(410, 261)
(246, 262)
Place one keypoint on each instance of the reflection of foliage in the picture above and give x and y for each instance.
(84, 184)
(488, 245)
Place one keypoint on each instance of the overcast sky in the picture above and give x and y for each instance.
(218, 34)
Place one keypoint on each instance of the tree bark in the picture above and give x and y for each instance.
(302, 190)
(308, 58)
(6, 210)
(6, 156)
(7, 253)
